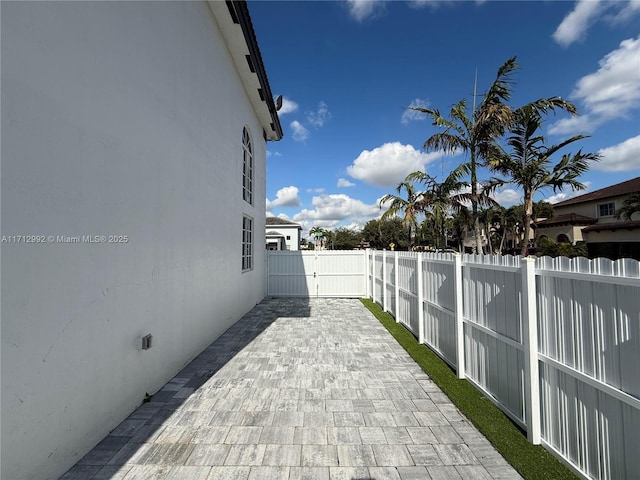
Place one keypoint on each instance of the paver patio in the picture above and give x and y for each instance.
(298, 389)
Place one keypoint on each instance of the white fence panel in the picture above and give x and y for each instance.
(407, 312)
(378, 278)
(439, 305)
(390, 283)
(316, 274)
(574, 381)
(289, 274)
(589, 337)
(340, 274)
(494, 352)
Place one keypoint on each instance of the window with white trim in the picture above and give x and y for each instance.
(606, 209)
(247, 243)
(247, 167)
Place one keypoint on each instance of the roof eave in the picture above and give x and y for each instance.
(236, 27)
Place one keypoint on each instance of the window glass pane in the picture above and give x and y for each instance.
(606, 209)
(247, 167)
(247, 243)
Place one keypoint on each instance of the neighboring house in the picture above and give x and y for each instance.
(131, 131)
(591, 218)
(282, 234)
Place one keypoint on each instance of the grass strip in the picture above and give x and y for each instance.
(533, 462)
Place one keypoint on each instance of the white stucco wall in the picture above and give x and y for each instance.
(293, 232)
(117, 119)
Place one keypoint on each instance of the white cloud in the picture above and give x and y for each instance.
(566, 195)
(273, 154)
(389, 164)
(320, 116)
(628, 10)
(621, 157)
(586, 12)
(288, 106)
(300, 134)
(507, 197)
(330, 210)
(285, 197)
(611, 92)
(413, 115)
(434, 4)
(574, 26)
(343, 182)
(360, 10)
(572, 125)
(315, 190)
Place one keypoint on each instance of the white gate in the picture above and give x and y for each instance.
(316, 274)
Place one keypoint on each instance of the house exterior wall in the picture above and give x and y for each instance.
(111, 126)
(293, 232)
(573, 233)
(590, 209)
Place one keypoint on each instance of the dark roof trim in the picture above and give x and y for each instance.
(272, 221)
(566, 219)
(631, 225)
(618, 189)
(240, 12)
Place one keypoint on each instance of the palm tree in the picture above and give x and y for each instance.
(530, 167)
(476, 134)
(487, 217)
(630, 206)
(459, 223)
(442, 198)
(316, 232)
(328, 237)
(508, 219)
(410, 207)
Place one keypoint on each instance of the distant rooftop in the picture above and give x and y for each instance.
(623, 188)
(273, 221)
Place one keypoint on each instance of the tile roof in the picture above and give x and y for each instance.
(622, 188)
(567, 218)
(630, 225)
(272, 221)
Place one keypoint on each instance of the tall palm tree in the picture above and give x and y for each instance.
(529, 164)
(630, 206)
(476, 133)
(410, 207)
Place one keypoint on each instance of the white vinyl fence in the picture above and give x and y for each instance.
(316, 273)
(555, 343)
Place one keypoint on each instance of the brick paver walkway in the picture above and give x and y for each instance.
(298, 389)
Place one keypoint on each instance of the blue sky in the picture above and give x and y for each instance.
(348, 70)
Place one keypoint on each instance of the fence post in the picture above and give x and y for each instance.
(420, 298)
(384, 280)
(396, 284)
(457, 278)
(373, 276)
(530, 341)
(367, 267)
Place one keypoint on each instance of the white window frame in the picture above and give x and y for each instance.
(247, 167)
(610, 207)
(247, 243)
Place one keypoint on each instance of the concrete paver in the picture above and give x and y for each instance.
(297, 389)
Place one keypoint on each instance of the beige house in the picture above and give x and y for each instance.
(591, 218)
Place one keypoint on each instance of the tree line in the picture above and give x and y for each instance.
(506, 141)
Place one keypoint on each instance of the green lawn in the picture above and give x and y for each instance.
(532, 462)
